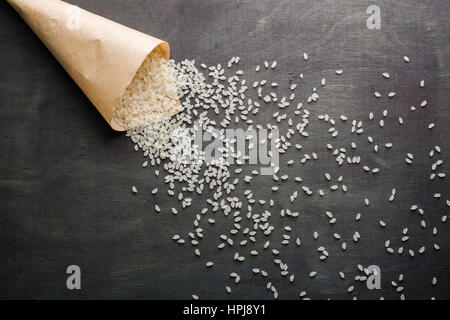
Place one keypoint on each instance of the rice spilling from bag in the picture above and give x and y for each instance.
(215, 99)
(151, 96)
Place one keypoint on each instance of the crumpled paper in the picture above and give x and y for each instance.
(100, 55)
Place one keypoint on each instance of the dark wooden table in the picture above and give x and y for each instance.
(65, 176)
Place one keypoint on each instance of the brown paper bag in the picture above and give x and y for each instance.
(100, 55)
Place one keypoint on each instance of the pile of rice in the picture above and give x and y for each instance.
(266, 219)
(151, 97)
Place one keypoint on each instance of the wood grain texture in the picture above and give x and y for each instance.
(65, 176)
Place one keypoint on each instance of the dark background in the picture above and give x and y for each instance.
(65, 176)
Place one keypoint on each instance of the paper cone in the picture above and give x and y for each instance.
(100, 55)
